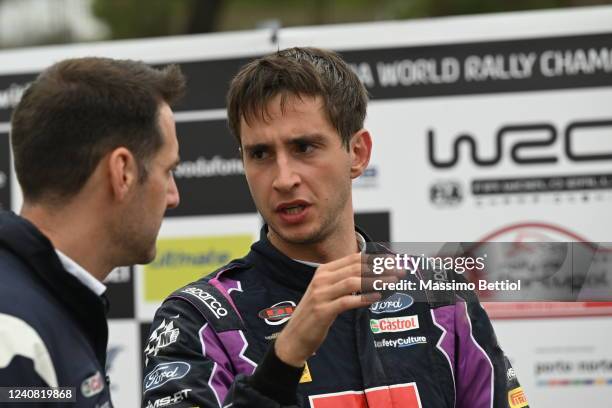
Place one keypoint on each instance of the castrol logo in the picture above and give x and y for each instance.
(394, 324)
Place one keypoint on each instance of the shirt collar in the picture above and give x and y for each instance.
(270, 261)
(81, 274)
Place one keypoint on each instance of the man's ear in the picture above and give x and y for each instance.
(360, 149)
(123, 172)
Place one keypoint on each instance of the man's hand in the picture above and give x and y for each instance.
(336, 287)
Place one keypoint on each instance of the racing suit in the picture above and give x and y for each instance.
(211, 345)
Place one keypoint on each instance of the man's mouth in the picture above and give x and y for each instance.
(292, 207)
(296, 209)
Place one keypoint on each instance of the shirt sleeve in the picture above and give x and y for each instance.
(186, 364)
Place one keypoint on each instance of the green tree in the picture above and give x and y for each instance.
(435, 8)
(146, 18)
(152, 18)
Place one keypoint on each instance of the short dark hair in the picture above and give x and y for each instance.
(299, 72)
(80, 109)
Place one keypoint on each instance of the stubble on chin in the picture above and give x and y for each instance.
(307, 238)
(132, 247)
(150, 257)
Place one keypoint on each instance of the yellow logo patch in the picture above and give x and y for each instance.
(306, 377)
(517, 398)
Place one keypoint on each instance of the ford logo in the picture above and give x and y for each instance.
(394, 303)
(164, 373)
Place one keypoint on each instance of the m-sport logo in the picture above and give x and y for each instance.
(169, 400)
(394, 303)
(394, 324)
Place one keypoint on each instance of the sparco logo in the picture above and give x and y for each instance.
(217, 166)
(209, 300)
(394, 303)
(529, 149)
(10, 97)
(394, 324)
(165, 372)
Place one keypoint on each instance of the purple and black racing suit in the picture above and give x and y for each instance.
(211, 346)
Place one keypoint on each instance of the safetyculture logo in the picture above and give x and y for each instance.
(277, 314)
(401, 342)
(183, 260)
(394, 303)
(163, 336)
(164, 373)
(394, 324)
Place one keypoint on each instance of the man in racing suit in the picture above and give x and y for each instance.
(285, 325)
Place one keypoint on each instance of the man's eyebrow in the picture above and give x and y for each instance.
(309, 138)
(255, 146)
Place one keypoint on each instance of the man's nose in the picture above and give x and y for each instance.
(286, 176)
(173, 194)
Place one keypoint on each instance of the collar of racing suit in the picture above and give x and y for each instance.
(301, 274)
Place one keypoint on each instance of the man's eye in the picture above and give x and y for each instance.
(258, 154)
(304, 147)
